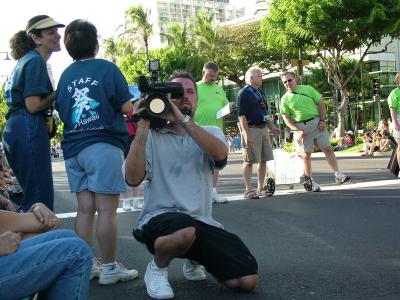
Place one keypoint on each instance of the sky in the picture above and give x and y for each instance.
(106, 15)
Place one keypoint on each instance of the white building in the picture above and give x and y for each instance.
(163, 12)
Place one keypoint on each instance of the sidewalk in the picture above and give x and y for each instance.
(337, 153)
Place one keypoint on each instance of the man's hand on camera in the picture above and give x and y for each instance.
(142, 122)
(174, 115)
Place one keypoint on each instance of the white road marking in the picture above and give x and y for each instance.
(346, 186)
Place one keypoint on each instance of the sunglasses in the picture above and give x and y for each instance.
(289, 80)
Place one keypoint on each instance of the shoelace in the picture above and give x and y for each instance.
(97, 262)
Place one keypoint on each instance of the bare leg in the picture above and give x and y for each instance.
(331, 158)
(262, 168)
(244, 284)
(136, 191)
(85, 216)
(106, 227)
(215, 178)
(173, 245)
(247, 172)
(307, 164)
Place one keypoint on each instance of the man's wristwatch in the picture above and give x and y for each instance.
(185, 121)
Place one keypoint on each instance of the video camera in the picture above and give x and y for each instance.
(156, 102)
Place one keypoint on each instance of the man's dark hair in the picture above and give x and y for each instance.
(210, 65)
(183, 74)
(80, 39)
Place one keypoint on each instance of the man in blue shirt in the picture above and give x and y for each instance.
(254, 124)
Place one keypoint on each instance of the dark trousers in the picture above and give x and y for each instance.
(393, 164)
(27, 148)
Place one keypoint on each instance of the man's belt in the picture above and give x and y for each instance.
(308, 120)
(257, 126)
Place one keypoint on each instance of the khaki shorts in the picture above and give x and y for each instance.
(315, 137)
(261, 150)
(396, 134)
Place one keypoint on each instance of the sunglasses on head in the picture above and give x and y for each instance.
(289, 80)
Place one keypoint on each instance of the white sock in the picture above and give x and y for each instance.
(337, 173)
(214, 190)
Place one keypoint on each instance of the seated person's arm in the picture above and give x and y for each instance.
(36, 221)
(9, 242)
(384, 144)
(6, 204)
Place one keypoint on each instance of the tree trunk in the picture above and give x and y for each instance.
(240, 82)
(342, 111)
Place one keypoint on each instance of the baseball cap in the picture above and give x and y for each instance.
(349, 132)
(42, 22)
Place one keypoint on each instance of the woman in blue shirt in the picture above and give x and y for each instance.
(29, 95)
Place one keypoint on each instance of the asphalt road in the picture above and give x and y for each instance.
(341, 243)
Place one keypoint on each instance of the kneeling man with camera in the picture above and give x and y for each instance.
(176, 219)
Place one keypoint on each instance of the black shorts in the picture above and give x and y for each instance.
(222, 253)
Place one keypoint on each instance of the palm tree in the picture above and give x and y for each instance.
(206, 36)
(111, 49)
(177, 35)
(139, 24)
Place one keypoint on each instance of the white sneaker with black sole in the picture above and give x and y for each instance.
(311, 185)
(341, 178)
(113, 272)
(193, 271)
(157, 284)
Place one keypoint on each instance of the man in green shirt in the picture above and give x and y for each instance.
(304, 113)
(394, 106)
(211, 99)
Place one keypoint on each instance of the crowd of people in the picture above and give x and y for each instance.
(176, 221)
(234, 143)
(376, 141)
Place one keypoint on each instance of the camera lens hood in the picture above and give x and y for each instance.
(157, 105)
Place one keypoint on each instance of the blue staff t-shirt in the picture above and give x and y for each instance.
(90, 95)
(29, 78)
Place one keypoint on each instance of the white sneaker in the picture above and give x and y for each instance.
(114, 272)
(218, 198)
(126, 204)
(341, 178)
(311, 185)
(137, 203)
(193, 271)
(157, 284)
(96, 268)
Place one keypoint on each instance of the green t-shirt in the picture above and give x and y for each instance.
(302, 104)
(394, 99)
(211, 98)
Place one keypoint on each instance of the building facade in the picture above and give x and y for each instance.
(163, 12)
